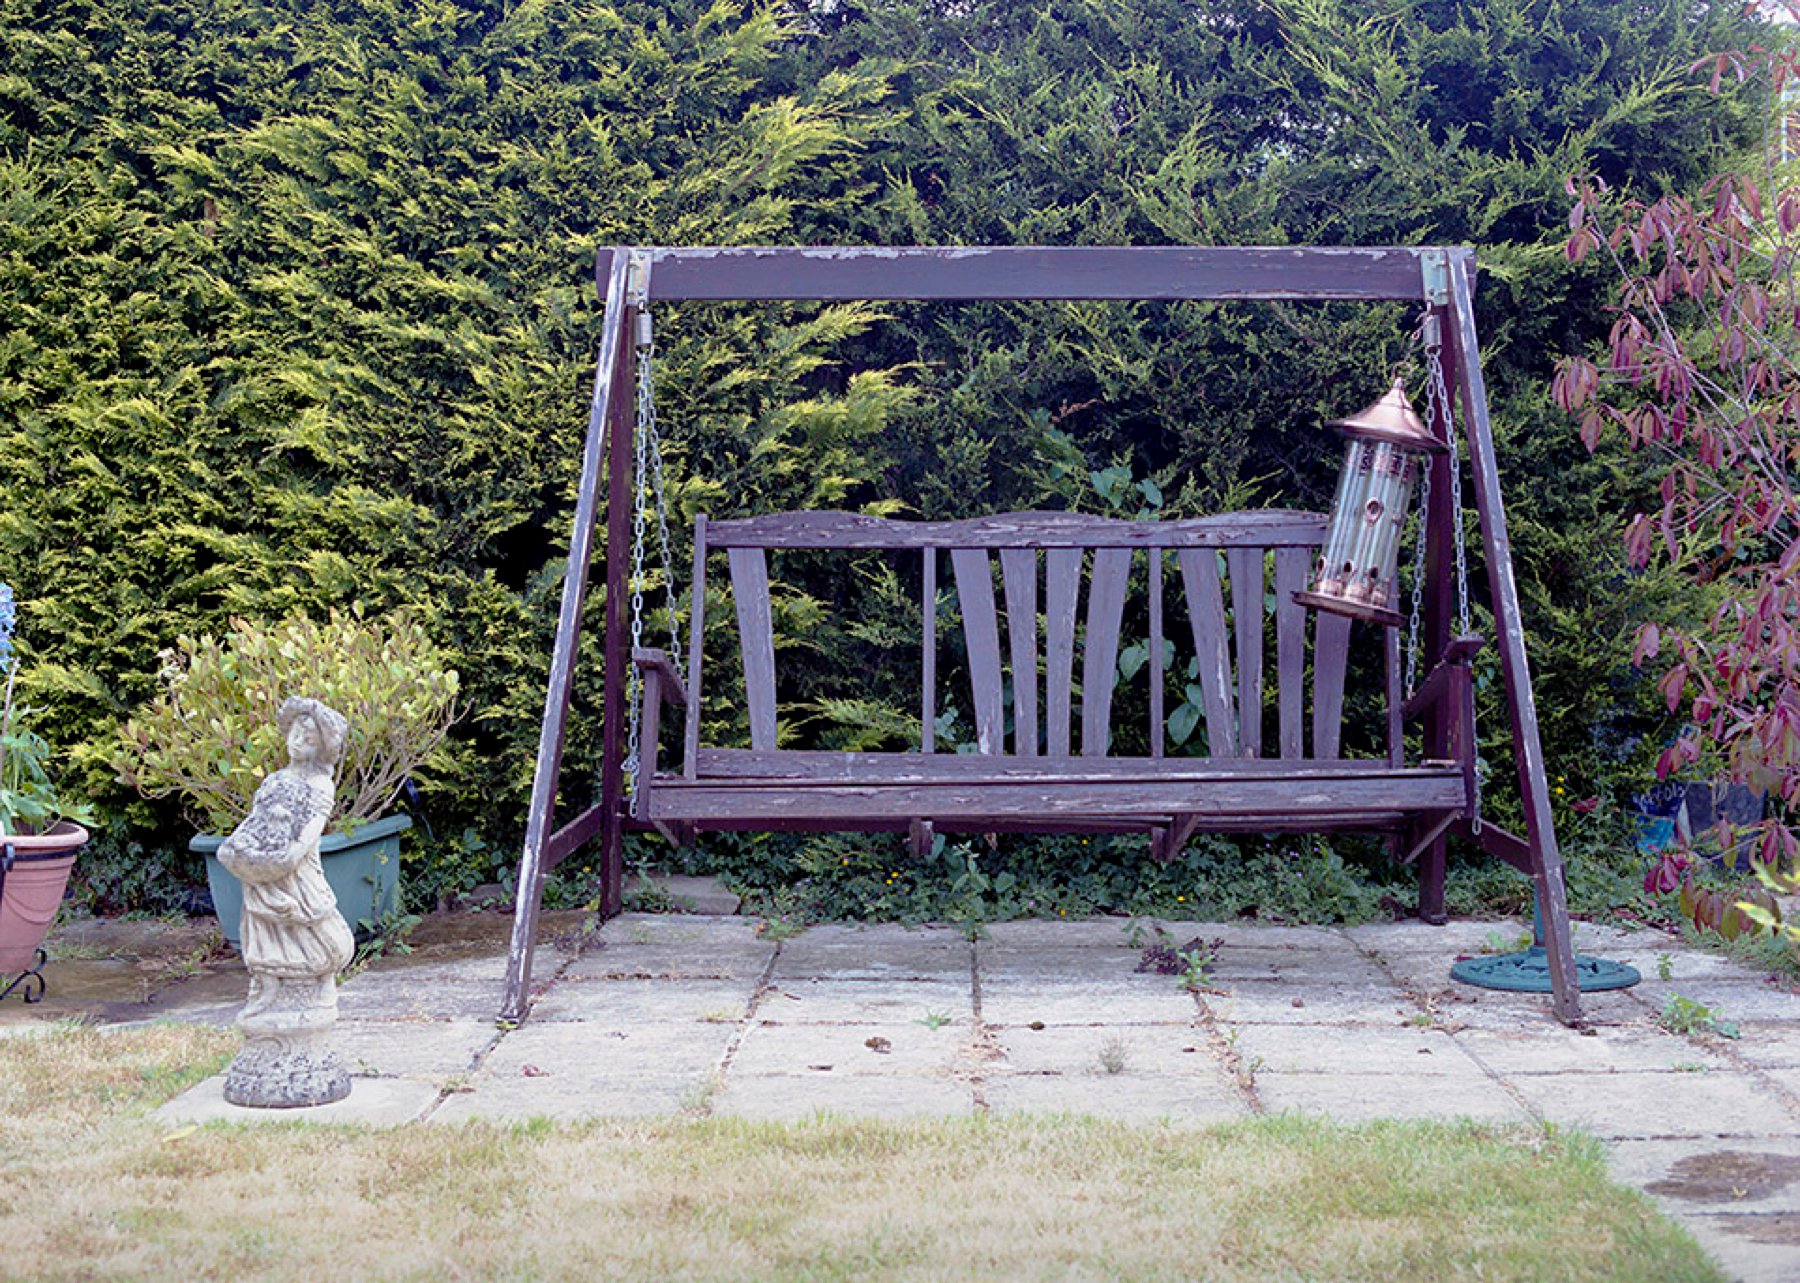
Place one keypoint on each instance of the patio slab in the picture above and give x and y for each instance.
(1026, 1000)
(1641, 1105)
(897, 1001)
(888, 1051)
(1738, 1176)
(1143, 1098)
(879, 952)
(787, 1097)
(1353, 1049)
(378, 1102)
(628, 1004)
(1285, 1002)
(1133, 1051)
(1606, 1050)
(1360, 1097)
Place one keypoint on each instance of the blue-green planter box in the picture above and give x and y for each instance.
(362, 868)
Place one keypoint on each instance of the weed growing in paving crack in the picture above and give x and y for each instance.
(1665, 966)
(1685, 1016)
(933, 1020)
(697, 1098)
(780, 928)
(1498, 942)
(1112, 1055)
(1194, 964)
(1191, 961)
(1246, 1072)
(191, 963)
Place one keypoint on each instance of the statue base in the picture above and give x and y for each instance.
(286, 1071)
(286, 1062)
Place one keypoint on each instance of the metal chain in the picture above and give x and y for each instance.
(1418, 581)
(640, 496)
(1437, 397)
(648, 494)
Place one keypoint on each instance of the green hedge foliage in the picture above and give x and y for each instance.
(298, 308)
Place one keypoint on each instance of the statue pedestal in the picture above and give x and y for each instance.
(285, 1062)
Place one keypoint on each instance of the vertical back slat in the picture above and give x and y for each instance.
(981, 632)
(1331, 653)
(1290, 647)
(756, 637)
(1206, 613)
(928, 661)
(1156, 653)
(1062, 586)
(1018, 570)
(651, 715)
(1100, 658)
(1246, 567)
(696, 635)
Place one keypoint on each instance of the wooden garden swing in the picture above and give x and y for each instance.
(1055, 773)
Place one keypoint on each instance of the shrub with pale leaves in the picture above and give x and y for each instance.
(210, 735)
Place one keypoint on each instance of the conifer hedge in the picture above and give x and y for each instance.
(298, 305)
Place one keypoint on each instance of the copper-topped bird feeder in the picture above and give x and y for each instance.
(1358, 573)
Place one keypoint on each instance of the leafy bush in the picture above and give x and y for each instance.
(211, 735)
(1702, 371)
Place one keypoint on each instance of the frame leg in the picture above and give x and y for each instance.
(1432, 863)
(1553, 904)
(611, 394)
(612, 865)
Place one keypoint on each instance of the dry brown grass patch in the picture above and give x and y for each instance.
(1014, 1198)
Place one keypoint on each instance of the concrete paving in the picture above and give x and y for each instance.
(716, 1015)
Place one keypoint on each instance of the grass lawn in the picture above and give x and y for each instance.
(94, 1189)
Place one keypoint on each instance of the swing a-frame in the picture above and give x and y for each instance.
(1269, 767)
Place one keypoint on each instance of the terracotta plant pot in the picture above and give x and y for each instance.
(35, 877)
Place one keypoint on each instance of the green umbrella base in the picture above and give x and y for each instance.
(1529, 972)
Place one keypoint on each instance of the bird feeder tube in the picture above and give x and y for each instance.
(1358, 571)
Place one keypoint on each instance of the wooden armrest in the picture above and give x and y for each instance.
(1437, 682)
(1463, 648)
(658, 662)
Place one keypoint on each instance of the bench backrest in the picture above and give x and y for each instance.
(1044, 561)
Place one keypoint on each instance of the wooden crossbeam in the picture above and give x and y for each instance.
(1037, 272)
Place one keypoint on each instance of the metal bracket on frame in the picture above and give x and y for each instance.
(637, 292)
(1434, 267)
(637, 276)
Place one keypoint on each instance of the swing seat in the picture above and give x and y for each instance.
(1274, 757)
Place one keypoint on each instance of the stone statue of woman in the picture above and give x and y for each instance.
(294, 939)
